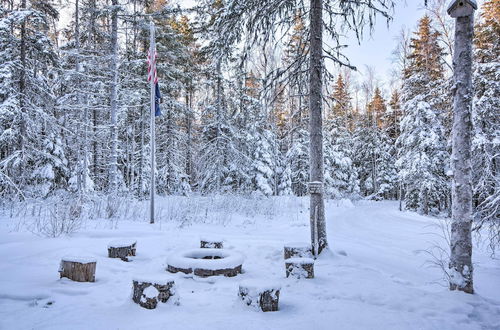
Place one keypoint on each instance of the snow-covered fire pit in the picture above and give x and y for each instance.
(206, 262)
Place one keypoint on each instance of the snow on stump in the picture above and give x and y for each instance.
(207, 242)
(299, 267)
(206, 262)
(122, 249)
(80, 269)
(260, 295)
(148, 293)
(301, 250)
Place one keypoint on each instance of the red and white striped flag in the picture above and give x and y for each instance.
(152, 74)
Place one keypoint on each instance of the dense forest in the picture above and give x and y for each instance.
(203, 156)
(74, 106)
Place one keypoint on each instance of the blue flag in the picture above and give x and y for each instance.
(157, 100)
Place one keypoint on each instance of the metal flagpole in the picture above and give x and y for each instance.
(152, 73)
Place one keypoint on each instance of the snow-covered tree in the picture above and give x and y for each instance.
(341, 177)
(486, 121)
(32, 143)
(422, 153)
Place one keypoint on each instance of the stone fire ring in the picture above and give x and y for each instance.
(206, 262)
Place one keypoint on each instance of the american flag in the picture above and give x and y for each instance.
(152, 67)
(152, 74)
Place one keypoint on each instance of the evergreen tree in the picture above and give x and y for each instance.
(32, 143)
(373, 158)
(341, 177)
(392, 117)
(341, 101)
(423, 156)
(296, 155)
(377, 109)
(486, 137)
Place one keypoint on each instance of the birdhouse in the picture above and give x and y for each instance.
(461, 8)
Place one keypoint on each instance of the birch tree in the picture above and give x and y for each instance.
(461, 269)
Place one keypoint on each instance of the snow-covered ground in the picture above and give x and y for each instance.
(376, 276)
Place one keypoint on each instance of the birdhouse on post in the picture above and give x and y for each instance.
(461, 8)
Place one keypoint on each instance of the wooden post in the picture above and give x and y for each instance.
(461, 270)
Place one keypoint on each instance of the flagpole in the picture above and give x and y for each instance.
(152, 52)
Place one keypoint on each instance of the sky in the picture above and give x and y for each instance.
(375, 49)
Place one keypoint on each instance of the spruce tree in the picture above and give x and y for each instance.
(33, 162)
(486, 121)
(423, 156)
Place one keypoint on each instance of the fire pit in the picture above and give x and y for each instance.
(206, 262)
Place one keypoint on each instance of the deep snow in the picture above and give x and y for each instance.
(375, 277)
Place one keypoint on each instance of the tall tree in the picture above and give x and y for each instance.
(461, 269)
(485, 119)
(113, 162)
(32, 157)
(422, 140)
(392, 118)
(376, 109)
(262, 20)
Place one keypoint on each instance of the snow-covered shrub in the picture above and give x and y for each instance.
(60, 217)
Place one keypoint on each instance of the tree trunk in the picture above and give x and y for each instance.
(82, 125)
(22, 89)
(317, 207)
(140, 185)
(219, 117)
(113, 183)
(189, 160)
(461, 269)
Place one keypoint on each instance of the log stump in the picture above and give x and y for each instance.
(78, 269)
(299, 267)
(211, 243)
(260, 295)
(122, 249)
(148, 293)
(301, 250)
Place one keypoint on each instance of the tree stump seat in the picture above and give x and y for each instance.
(79, 269)
(148, 292)
(299, 267)
(211, 242)
(122, 249)
(298, 249)
(260, 295)
(206, 262)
